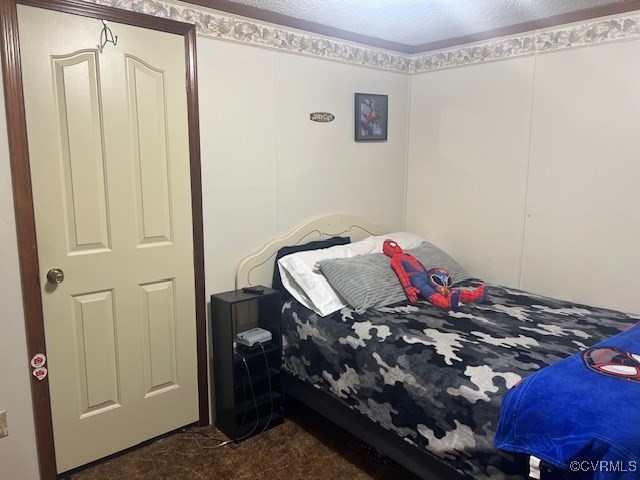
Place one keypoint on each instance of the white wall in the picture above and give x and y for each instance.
(583, 218)
(526, 170)
(267, 168)
(17, 451)
(468, 150)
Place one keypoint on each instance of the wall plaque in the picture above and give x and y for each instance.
(323, 117)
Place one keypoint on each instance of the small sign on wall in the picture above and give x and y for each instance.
(322, 117)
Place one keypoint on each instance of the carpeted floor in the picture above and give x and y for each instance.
(305, 447)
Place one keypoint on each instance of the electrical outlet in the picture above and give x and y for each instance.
(4, 428)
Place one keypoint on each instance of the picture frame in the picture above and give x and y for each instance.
(371, 117)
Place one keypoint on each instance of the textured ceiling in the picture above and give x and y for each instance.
(416, 22)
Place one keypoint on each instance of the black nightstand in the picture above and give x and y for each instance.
(246, 377)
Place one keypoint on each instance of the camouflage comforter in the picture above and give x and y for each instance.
(437, 378)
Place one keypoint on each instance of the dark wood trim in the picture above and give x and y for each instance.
(84, 9)
(26, 231)
(198, 234)
(571, 17)
(312, 27)
(23, 200)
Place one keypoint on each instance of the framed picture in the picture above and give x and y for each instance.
(371, 116)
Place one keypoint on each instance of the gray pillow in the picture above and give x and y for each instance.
(368, 281)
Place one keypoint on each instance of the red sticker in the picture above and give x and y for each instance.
(40, 373)
(38, 360)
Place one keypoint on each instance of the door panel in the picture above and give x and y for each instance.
(147, 95)
(78, 104)
(98, 372)
(159, 323)
(108, 143)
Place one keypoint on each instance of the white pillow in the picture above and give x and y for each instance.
(307, 285)
(406, 240)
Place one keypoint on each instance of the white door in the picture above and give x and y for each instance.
(109, 158)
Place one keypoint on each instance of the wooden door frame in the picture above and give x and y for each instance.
(23, 199)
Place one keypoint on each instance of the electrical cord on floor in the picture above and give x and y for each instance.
(223, 442)
(187, 434)
(191, 435)
(194, 436)
(210, 437)
(255, 404)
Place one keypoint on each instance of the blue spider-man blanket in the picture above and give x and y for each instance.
(580, 414)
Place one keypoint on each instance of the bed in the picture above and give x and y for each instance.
(424, 385)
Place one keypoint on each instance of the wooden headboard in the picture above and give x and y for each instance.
(257, 269)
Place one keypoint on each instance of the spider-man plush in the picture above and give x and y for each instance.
(433, 284)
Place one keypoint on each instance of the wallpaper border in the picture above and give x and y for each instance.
(219, 25)
(595, 32)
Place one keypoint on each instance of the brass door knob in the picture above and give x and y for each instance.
(55, 276)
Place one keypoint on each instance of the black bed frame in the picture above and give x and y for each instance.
(414, 459)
